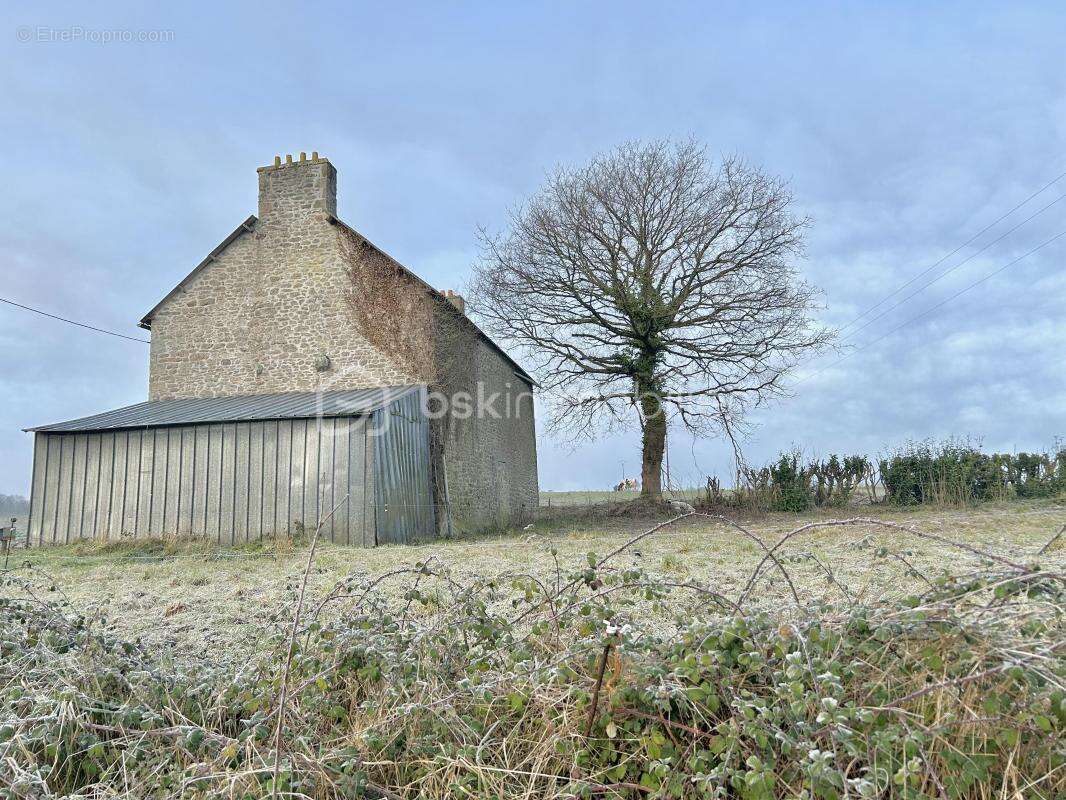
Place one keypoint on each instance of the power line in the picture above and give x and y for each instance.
(933, 308)
(72, 322)
(947, 272)
(973, 238)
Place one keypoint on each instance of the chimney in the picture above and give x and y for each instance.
(456, 300)
(293, 190)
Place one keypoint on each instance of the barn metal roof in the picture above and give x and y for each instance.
(288, 405)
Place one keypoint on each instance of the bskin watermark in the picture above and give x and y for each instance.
(76, 34)
(513, 402)
(509, 399)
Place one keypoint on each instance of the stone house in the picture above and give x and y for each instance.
(294, 328)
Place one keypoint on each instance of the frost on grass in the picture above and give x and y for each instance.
(595, 676)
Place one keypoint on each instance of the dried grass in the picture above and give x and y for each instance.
(427, 681)
(232, 595)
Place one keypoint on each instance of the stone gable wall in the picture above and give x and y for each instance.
(259, 316)
(298, 287)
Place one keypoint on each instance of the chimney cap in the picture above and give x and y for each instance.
(293, 160)
(456, 300)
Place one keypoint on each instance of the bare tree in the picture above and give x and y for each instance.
(652, 284)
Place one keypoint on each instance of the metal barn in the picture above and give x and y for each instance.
(237, 469)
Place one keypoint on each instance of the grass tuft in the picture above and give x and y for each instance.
(594, 677)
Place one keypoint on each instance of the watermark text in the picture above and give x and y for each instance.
(72, 34)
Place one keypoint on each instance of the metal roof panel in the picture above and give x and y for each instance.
(239, 408)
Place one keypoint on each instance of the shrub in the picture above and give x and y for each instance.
(836, 480)
(792, 484)
(955, 473)
(788, 485)
(949, 473)
(512, 686)
(1037, 474)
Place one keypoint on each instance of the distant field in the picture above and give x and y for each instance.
(594, 496)
(190, 597)
(860, 496)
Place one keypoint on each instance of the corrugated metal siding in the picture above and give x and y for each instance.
(231, 482)
(187, 411)
(401, 471)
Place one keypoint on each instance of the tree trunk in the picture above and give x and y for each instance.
(653, 443)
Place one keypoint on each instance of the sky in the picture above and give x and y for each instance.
(904, 129)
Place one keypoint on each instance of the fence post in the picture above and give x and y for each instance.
(7, 541)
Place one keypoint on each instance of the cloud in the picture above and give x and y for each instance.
(904, 132)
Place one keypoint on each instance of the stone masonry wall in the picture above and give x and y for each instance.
(257, 318)
(492, 455)
(300, 286)
(489, 454)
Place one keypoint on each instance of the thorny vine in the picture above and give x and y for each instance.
(587, 682)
